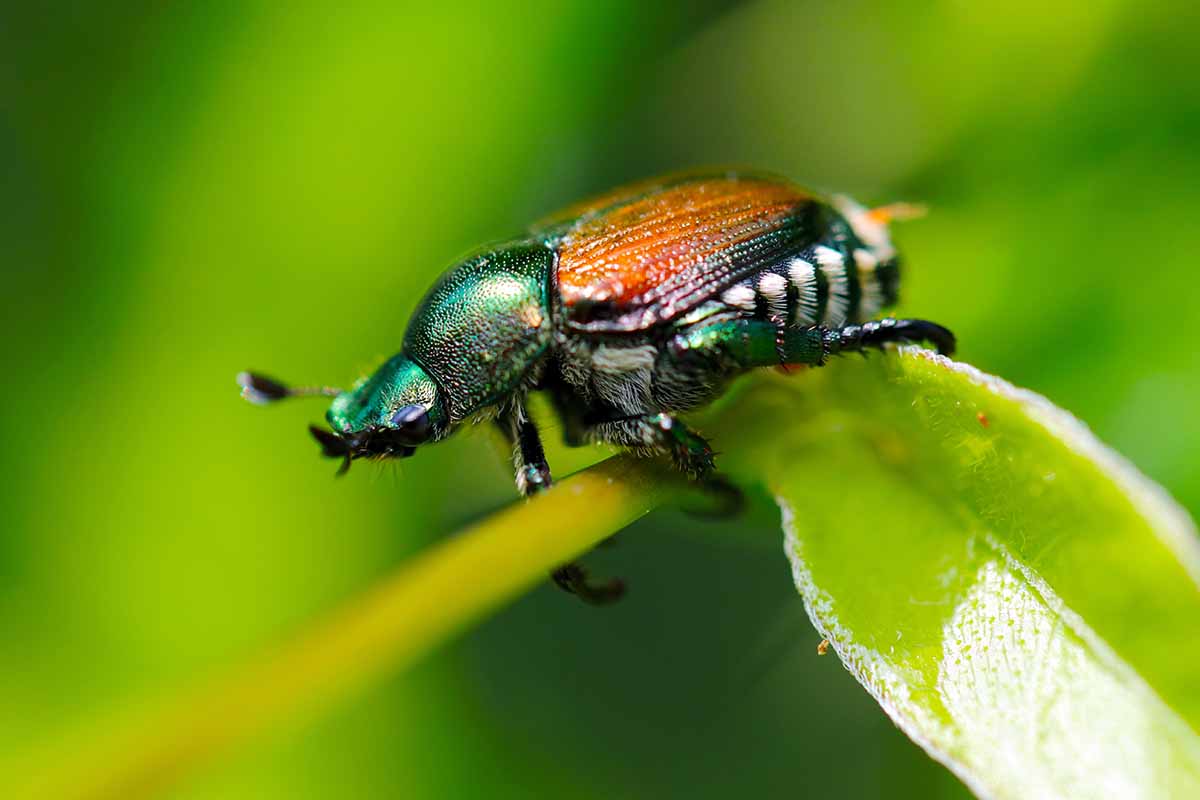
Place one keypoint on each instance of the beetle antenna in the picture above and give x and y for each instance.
(261, 390)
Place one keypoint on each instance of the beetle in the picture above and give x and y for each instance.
(627, 310)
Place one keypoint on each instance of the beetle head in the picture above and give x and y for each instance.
(387, 415)
(384, 416)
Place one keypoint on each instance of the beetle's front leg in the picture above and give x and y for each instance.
(529, 458)
(533, 476)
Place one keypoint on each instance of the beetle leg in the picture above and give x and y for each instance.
(658, 433)
(529, 459)
(781, 343)
(876, 333)
(746, 343)
(690, 451)
(574, 579)
(533, 473)
(533, 476)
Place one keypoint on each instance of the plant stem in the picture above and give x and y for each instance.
(425, 602)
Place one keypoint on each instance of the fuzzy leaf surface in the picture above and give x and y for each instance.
(1017, 597)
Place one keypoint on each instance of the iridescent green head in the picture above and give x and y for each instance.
(386, 415)
(474, 341)
(374, 402)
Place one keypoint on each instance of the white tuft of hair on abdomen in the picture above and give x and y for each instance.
(773, 288)
(833, 267)
(804, 278)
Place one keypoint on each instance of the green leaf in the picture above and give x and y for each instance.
(1017, 597)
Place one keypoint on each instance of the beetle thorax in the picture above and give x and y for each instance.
(485, 327)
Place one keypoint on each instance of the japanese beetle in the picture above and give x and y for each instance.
(627, 309)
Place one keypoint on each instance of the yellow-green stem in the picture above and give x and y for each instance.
(425, 602)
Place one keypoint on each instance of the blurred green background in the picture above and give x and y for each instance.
(191, 191)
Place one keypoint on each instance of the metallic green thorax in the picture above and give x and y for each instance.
(470, 344)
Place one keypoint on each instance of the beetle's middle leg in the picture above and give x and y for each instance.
(533, 476)
(655, 433)
(652, 434)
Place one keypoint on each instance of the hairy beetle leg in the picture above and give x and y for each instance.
(658, 433)
(533, 476)
(689, 451)
(529, 458)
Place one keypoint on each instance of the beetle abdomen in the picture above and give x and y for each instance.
(821, 284)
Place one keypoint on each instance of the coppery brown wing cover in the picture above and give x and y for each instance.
(645, 254)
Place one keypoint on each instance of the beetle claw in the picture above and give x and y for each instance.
(574, 579)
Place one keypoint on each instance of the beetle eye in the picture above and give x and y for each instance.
(411, 424)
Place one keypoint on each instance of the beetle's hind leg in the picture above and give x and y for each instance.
(744, 343)
(533, 476)
(876, 333)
